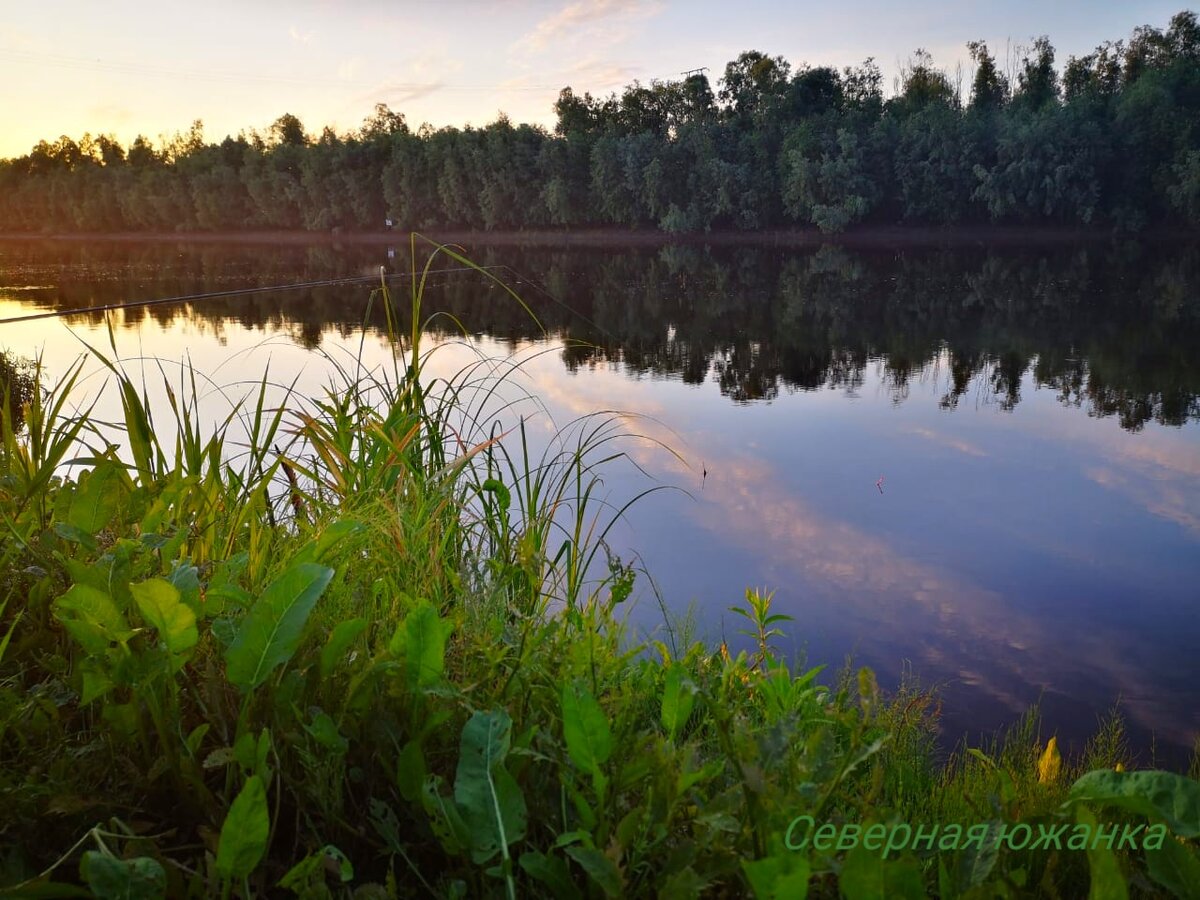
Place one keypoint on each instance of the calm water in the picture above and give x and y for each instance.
(1032, 414)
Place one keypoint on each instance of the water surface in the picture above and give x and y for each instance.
(980, 466)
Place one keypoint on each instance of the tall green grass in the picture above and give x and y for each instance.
(370, 644)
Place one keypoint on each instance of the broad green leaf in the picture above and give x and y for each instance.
(221, 597)
(186, 579)
(340, 639)
(686, 884)
(251, 753)
(1163, 795)
(92, 618)
(491, 802)
(387, 824)
(444, 817)
(411, 771)
(161, 606)
(599, 868)
(121, 717)
(1177, 868)
(312, 868)
(224, 631)
(123, 879)
(975, 864)
(75, 535)
(778, 877)
(326, 733)
(223, 591)
(96, 681)
(551, 871)
(96, 498)
(1107, 882)
(678, 696)
(244, 834)
(866, 875)
(424, 646)
(271, 631)
(585, 728)
(299, 878)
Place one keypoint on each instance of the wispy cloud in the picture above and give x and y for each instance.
(395, 93)
(581, 16)
(112, 113)
(600, 74)
(420, 77)
(300, 37)
(589, 74)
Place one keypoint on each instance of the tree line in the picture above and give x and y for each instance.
(1111, 139)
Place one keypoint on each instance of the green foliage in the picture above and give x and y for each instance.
(586, 731)
(831, 176)
(110, 878)
(245, 831)
(271, 632)
(391, 652)
(163, 609)
(488, 797)
(1161, 795)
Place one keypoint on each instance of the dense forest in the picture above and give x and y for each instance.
(1110, 139)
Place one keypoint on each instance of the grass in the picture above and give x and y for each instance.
(374, 648)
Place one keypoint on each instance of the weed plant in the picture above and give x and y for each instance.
(370, 645)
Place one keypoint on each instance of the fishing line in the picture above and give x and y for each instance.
(236, 292)
(522, 279)
(305, 285)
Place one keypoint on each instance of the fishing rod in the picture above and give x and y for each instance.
(235, 292)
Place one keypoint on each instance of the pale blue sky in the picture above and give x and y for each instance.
(127, 67)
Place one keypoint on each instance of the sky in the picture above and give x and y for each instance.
(127, 68)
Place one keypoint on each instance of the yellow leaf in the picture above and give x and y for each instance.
(1050, 764)
(1120, 767)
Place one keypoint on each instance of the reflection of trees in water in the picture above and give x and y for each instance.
(1112, 329)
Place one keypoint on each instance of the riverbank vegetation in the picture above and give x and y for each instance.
(1106, 140)
(368, 645)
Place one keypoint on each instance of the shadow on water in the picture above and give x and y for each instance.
(1110, 328)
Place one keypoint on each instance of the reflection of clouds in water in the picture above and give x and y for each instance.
(1158, 468)
(1164, 456)
(889, 604)
(1163, 476)
(946, 441)
(1166, 501)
